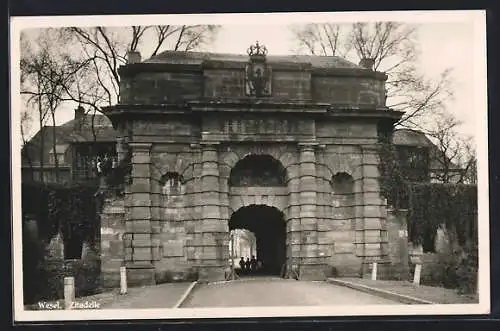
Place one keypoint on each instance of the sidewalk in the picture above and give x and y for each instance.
(405, 291)
(157, 296)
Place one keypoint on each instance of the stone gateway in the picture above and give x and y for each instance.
(289, 153)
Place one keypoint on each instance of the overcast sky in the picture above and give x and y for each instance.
(444, 41)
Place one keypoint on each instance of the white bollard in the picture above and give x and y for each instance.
(374, 271)
(123, 280)
(416, 275)
(69, 292)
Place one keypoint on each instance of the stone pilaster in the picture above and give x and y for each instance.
(213, 245)
(311, 266)
(193, 209)
(373, 213)
(138, 243)
(293, 230)
(323, 209)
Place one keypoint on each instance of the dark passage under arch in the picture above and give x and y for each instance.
(268, 225)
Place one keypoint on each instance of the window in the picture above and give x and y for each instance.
(60, 158)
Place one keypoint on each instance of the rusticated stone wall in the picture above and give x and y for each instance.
(170, 238)
(200, 123)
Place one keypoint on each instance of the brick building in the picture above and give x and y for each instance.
(284, 146)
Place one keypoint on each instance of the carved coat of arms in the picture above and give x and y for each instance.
(258, 73)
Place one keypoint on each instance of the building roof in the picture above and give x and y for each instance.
(176, 57)
(415, 138)
(73, 131)
(410, 137)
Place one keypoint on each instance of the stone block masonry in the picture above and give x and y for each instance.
(189, 114)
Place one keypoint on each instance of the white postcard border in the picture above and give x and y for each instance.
(480, 107)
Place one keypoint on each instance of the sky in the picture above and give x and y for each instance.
(444, 42)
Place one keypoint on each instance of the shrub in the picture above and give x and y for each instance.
(432, 205)
(72, 211)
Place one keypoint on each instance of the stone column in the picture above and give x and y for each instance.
(311, 267)
(374, 214)
(138, 251)
(213, 247)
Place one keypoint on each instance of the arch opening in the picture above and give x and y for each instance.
(258, 170)
(268, 225)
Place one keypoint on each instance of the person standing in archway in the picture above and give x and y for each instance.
(242, 265)
(253, 264)
(247, 265)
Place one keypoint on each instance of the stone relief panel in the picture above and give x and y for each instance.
(252, 128)
(347, 130)
(164, 128)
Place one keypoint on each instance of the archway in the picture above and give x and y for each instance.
(268, 225)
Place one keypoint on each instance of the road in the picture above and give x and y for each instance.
(264, 292)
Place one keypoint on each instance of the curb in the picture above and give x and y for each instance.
(405, 299)
(185, 295)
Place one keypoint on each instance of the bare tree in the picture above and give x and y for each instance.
(453, 153)
(392, 47)
(45, 76)
(107, 48)
(81, 65)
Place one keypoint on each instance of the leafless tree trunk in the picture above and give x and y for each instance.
(46, 76)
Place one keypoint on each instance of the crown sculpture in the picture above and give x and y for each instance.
(257, 50)
(258, 73)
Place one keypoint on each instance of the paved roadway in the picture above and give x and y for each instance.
(266, 291)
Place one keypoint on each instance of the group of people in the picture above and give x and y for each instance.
(250, 265)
